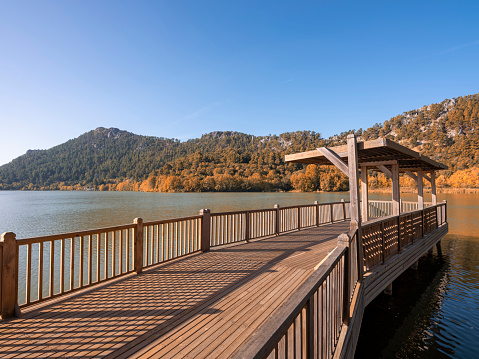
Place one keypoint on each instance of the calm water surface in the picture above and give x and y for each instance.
(433, 313)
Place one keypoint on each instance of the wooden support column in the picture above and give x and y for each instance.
(364, 194)
(389, 289)
(354, 197)
(433, 188)
(396, 204)
(420, 191)
(353, 179)
(316, 203)
(439, 249)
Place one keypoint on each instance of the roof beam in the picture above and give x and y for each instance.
(378, 163)
(334, 159)
(387, 172)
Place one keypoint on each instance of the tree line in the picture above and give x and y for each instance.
(111, 159)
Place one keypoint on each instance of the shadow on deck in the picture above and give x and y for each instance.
(202, 305)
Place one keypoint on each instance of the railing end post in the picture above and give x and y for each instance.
(353, 225)
(343, 240)
(205, 229)
(9, 276)
(138, 251)
(316, 203)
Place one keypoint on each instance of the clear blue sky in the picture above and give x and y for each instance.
(184, 68)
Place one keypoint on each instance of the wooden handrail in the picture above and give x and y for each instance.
(260, 344)
(66, 235)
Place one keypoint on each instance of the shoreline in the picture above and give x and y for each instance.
(450, 190)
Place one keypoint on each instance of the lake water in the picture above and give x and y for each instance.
(434, 311)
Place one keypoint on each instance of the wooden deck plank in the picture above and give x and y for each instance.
(219, 329)
(123, 317)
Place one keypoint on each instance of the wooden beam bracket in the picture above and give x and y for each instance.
(386, 171)
(412, 175)
(335, 159)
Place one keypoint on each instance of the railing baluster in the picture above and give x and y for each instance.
(90, 259)
(40, 271)
(80, 262)
(62, 264)
(72, 261)
(52, 262)
(29, 272)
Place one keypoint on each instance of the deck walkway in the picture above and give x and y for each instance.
(202, 305)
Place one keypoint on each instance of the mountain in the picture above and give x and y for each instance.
(231, 161)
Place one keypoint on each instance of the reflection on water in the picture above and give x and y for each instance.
(433, 313)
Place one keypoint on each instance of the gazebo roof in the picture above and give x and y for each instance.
(373, 153)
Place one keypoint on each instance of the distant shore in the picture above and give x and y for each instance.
(427, 190)
(371, 190)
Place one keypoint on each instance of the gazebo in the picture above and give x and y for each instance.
(355, 159)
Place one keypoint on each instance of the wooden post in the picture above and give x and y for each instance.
(420, 191)
(331, 213)
(383, 242)
(433, 188)
(439, 249)
(359, 254)
(445, 211)
(316, 203)
(246, 223)
(9, 272)
(138, 238)
(343, 242)
(395, 189)
(299, 218)
(205, 229)
(389, 289)
(364, 194)
(277, 219)
(344, 208)
(353, 179)
(354, 194)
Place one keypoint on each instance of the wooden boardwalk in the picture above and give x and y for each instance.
(201, 305)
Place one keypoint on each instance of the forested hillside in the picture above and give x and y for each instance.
(111, 159)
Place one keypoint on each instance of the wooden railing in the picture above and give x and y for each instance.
(314, 321)
(387, 236)
(40, 268)
(384, 208)
(309, 323)
(59, 264)
(171, 238)
(233, 227)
